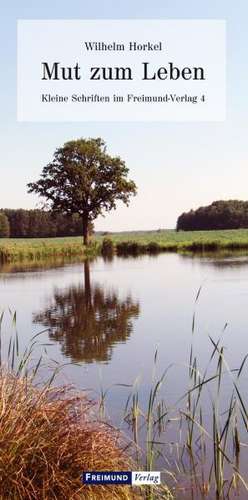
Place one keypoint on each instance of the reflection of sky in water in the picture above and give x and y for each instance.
(136, 306)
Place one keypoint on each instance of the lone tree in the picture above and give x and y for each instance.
(83, 179)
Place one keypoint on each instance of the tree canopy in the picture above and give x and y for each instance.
(231, 214)
(83, 179)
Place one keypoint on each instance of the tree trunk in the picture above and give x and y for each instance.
(87, 285)
(86, 230)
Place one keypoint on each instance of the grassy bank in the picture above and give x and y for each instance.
(124, 243)
(170, 240)
(31, 249)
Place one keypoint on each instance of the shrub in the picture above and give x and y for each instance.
(107, 247)
(153, 247)
(130, 248)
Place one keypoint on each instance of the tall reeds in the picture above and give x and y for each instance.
(49, 435)
(210, 426)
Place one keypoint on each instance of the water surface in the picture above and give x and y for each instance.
(105, 319)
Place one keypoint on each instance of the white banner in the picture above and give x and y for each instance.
(121, 70)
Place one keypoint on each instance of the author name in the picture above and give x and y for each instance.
(120, 47)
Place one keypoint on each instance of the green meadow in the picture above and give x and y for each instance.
(167, 238)
(14, 250)
(18, 249)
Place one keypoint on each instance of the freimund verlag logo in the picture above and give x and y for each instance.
(121, 477)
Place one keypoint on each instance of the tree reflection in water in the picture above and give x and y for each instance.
(88, 320)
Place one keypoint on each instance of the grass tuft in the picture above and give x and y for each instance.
(48, 437)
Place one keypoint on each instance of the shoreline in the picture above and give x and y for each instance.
(128, 243)
(122, 244)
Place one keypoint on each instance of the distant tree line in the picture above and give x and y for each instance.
(231, 214)
(20, 223)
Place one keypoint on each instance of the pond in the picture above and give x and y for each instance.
(106, 319)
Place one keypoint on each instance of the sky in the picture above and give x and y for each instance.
(176, 166)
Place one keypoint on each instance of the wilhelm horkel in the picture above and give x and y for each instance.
(115, 46)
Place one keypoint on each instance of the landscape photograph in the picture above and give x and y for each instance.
(124, 289)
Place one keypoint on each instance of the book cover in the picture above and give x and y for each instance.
(123, 250)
